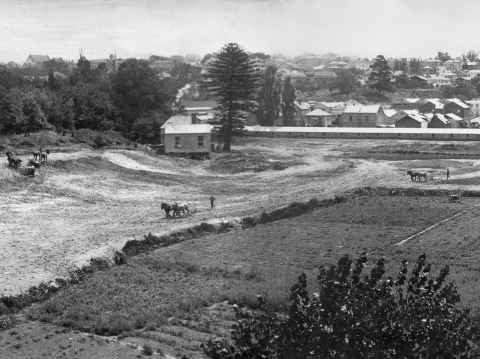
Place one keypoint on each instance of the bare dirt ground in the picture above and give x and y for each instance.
(87, 203)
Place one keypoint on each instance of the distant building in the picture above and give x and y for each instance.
(474, 107)
(363, 116)
(458, 107)
(324, 75)
(431, 105)
(181, 135)
(412, 119)
(407, 104)
(36, 60)
(450, 120)
(319, 118)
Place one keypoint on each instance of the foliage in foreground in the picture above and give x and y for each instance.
(358, 316)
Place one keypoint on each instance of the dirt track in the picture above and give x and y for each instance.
(87, 203)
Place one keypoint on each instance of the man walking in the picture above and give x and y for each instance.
(448, 174)
(212, 202)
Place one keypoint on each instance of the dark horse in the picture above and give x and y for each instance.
(12, 161)
(167, 208)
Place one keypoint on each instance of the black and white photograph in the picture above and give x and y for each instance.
(226, 179)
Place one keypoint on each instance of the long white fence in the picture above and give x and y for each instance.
(436, 134)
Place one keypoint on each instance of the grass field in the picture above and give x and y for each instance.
(178, 282)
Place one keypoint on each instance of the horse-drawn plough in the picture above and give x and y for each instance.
(176, 210)
(39, 158)
(416, 176)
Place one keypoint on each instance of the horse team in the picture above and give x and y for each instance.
(39, 158)
(175, 209)
(417, 176)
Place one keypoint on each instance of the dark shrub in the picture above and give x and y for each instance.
(356, 315)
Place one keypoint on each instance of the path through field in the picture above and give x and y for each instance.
(88, 203)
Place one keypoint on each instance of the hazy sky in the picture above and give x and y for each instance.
(142, 27)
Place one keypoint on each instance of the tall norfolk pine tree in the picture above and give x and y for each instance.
(232, 79)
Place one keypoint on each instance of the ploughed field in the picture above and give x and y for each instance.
(87, 203)
(175, 298)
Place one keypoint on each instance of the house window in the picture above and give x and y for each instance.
(200, 141)
(177, 142)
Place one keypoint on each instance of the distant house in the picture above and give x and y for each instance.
(407, 104)
(319, 118)
(419, 81)
(301, 109)
(458, 107)
(390, 114)
(430, 105)
(324, 75)
(440, 120)
(412, 119)
(36, 60)
(180, 135)
(363, 116)
(474, 107)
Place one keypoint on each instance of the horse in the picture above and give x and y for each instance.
(12, 161)
(412, 175)
(180, 209)
(167, 208)
(44, 156)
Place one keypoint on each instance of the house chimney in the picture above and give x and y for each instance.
(194, 118)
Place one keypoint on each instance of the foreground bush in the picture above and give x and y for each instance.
(359, 316)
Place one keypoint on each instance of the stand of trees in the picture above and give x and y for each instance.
(74, 97)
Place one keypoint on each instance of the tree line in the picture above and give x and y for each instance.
(133, 99)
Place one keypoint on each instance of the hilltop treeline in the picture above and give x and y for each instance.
(131, 97)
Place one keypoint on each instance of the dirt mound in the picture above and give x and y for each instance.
(252, 161)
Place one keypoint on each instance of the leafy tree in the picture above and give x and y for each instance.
(233, 80)
(380, 78)
(400, 65)
(269, 98)
(471, 56)
(11, 110)
(288, 102)
(443, 56)
(137, 91)
(346, 82)
(357, 315)
(34, 118)
(415, 66)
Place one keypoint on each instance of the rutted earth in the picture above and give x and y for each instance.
(88, 203)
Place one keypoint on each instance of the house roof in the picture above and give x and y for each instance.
(416, 117)
(362, 109)
(390, 112)
(412, 100)
(454, 117)
(436, 102)
(303, 106)
(458, 102)
(475, 120)
(187, 129)
(442, 118)
(178, 120)
(38, 58)
(318, 112)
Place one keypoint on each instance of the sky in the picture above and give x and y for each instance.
(394, 28)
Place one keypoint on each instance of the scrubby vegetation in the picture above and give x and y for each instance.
(358, 315)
